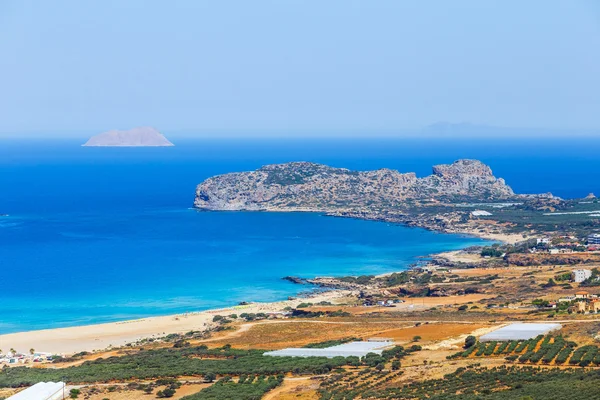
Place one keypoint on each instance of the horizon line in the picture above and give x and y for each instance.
(470, 131)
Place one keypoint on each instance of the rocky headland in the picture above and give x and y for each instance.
(388, 195)
(317, 187)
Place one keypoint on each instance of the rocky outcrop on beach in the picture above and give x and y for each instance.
(304, 186)
(325, 282)
(136, 137)
(295, 279)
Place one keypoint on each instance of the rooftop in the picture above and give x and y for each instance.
(41, 391)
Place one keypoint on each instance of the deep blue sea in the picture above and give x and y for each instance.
(105, 234)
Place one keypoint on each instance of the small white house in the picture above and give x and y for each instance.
(580, 275)
(543, 241)
(566, 299)
(594, 238)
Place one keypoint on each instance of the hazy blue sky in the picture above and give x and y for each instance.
(291, 65)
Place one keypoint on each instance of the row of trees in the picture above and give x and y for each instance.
(185, 361)
(545, 349)
(172, 362)
(500, 383)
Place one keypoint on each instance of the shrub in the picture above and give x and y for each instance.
(168, 392)
(470, 341)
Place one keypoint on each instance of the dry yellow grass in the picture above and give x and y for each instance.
(430, 332)
(123, 393)
(294, 333)
(296, 389)
(5, 393)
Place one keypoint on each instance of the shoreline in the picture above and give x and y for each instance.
(472, 232)
(104, 336)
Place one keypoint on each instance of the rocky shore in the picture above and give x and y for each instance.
(435, 202)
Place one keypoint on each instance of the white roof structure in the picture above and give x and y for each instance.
(481, 213)
(519, 331)
(358, 349)
(41, 391)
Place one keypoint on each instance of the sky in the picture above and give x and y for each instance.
(297, 66)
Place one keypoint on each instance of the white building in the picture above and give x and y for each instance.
(543, 241)
(580, 275)
(566, 299)
(481, 213)
(594, 238)
(42, 391)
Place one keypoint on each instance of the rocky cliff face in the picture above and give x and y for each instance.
(470, 178)
(317, 187)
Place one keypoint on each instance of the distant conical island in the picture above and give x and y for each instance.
(136, 137)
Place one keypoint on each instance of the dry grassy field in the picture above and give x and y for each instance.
(437, 325)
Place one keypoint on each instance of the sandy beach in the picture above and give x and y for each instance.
(97, 337)
(505, 238)
(102, 336)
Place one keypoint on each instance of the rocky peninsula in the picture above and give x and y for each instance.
(441, 201)
(136, 137)
(317, 187)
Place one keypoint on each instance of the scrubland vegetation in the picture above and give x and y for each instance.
(247, 388)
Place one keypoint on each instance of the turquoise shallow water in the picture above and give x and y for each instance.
(98, 235)
(85, 268)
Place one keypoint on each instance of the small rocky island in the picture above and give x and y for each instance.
(136, 137)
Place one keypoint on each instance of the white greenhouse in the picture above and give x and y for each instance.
(358, 349)
(42, 391)
(519, 331)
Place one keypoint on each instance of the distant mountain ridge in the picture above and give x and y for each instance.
(136, 137)
(316, 187)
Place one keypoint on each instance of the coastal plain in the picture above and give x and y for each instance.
(431, 319)
(434, 328)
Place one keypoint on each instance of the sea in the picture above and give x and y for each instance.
(94, 235)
